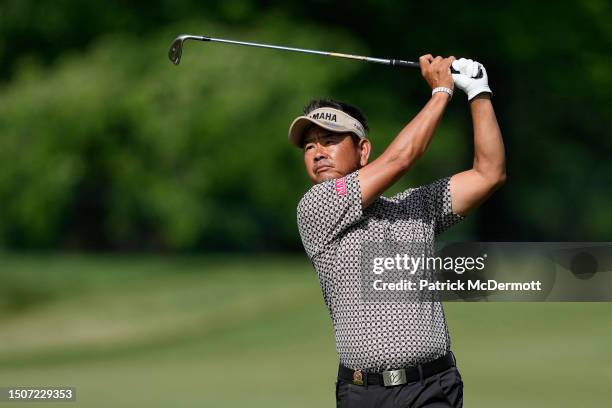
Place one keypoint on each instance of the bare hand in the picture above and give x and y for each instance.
(436, 71)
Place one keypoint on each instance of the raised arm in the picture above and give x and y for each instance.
(413, 139)
(470, 188)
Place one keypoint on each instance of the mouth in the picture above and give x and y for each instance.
(321, 169)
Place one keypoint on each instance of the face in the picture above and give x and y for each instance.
(329, 155)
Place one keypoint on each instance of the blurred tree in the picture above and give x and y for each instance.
(121, 149)
(106, 145)
(43, 31)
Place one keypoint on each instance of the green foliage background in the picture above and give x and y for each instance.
(106, 145)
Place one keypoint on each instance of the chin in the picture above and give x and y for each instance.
(327, 175)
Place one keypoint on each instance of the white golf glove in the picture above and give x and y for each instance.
(466, 78)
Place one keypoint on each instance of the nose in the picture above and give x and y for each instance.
(320, 153)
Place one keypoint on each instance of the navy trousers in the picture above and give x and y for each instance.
(442, 390)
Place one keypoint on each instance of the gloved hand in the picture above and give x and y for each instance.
(465, 79)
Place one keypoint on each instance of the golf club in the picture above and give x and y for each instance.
(176, 51)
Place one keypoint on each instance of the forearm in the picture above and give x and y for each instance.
(412, 141)
(406, 148)
(489, 156)
(470, 188)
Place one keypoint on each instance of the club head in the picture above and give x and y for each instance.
(176, 49)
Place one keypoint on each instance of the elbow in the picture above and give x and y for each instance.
(492, 180)
(498, 181)
(492, 174)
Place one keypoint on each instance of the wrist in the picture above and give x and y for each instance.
(480, 103)
(479, 90)
(442, 90)
(481, 96)
(440, 100)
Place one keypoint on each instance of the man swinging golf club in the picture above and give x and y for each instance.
(391, 354)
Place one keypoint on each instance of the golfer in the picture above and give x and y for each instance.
(392, 354)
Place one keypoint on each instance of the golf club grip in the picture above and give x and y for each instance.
(402, 63)
(410, 64)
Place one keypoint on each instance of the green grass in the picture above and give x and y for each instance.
(231, 331)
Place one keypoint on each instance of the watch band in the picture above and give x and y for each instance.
(442, 89)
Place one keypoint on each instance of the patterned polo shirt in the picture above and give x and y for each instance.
(374, 336)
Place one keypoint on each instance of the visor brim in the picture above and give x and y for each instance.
(301, 125)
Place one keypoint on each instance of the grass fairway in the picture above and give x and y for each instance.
(231, 331)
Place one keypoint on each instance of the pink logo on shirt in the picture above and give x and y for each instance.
(341, 186)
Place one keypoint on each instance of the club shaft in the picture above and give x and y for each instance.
(316, 52)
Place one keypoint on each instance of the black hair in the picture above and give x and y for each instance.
(344, 107)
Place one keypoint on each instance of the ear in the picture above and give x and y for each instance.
(365, 147)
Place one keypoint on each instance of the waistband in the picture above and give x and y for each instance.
(398, 376)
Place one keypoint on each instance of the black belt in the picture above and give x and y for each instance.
(399, 376)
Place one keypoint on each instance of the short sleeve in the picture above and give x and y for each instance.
(434, 200)
(327, 210)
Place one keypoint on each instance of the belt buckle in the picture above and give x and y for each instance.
(394, 377)
(357, 377)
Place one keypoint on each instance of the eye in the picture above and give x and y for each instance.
(331, 139)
